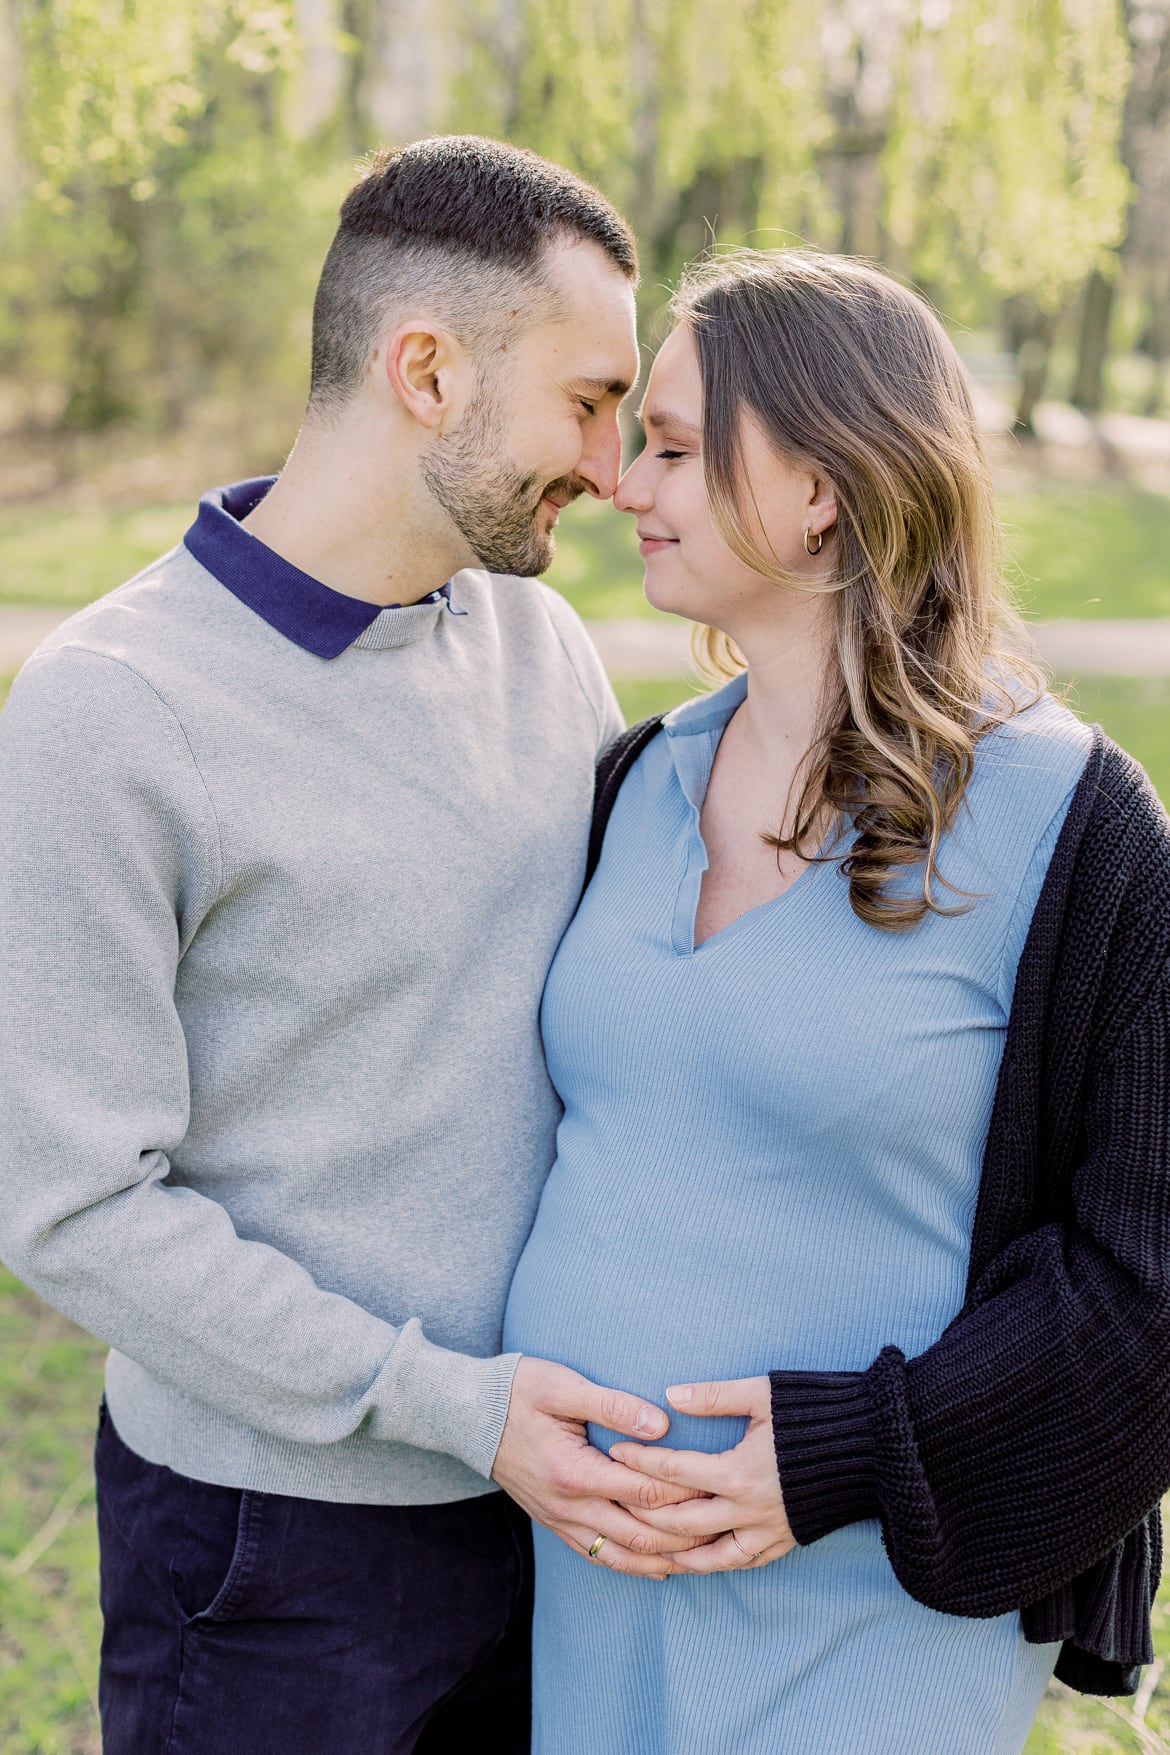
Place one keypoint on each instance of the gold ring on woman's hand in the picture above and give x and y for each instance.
(740, 1546)
(599, 1544)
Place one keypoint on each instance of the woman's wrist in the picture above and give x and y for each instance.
(822, 1427)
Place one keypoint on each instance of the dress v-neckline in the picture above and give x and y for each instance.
(693, 736)
(769, 902)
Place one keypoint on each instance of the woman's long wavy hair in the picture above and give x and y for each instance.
(850, 373)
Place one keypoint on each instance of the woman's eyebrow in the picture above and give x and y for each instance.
(662, 417)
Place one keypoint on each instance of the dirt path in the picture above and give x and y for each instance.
(1069, 648)
(652, 648)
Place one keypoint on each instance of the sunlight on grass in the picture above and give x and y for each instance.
(71, 557)
(50, 1630)
(1075, 551)
(1135, 711)
(1089, 552)
(50, 1384)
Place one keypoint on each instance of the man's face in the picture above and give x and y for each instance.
(542, 427)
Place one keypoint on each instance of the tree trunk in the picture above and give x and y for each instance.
(1093, 343)
(1033, 355)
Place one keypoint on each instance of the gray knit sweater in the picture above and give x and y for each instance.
(274, 1116)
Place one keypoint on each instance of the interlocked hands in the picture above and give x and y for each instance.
(661, 1511)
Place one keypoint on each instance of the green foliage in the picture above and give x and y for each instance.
(1004, 148)
(699, 119)
(163, 198)
(1000, 121)
(169, 229)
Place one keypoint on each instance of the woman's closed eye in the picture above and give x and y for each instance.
(670, 456)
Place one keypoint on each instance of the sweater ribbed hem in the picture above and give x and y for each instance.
(822, 1426)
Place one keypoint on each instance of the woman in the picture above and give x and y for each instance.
(795, 1161)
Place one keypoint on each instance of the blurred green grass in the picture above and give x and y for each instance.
(1085, 552)
(50, 1627)
(1135, 711)
(1075, 550)
(1081, 551)
(72, 556)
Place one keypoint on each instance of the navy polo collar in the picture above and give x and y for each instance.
(321, 620)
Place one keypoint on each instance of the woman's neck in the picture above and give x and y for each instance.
(792, 670)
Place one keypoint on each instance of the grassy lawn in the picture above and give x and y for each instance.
(1073, 551)
(1133, 710)
(1076, 551)
(1099, 553)
(74, 556)
(1092, 552)
(50, 1382)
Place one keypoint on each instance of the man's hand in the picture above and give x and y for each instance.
(740, 1488)
(546, 1464)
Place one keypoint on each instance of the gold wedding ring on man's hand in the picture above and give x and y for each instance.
(598, 1545)
(739, 1545)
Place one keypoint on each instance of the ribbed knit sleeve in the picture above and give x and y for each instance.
(585, 663)
(1034, 1435)
(109, 862)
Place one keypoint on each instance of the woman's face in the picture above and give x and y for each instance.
(690, 571)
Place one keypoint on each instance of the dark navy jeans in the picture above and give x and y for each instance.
(241, 1623)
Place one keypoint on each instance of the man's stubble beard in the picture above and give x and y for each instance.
(493, 505)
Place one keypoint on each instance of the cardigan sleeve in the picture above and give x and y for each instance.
(1034, 1434)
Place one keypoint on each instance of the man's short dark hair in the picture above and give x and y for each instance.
(463, 223)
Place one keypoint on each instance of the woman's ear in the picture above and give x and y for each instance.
(426, 369)
(821, 512)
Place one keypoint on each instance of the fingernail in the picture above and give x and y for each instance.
(680, 1397)
(650, 1422)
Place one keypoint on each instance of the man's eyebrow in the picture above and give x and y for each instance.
(605, 386)
(662, 417)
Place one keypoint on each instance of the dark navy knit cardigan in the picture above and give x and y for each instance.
(1020, 1461)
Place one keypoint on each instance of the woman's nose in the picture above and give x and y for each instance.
(632, 492)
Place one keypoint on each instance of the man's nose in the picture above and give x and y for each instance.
(601, 466)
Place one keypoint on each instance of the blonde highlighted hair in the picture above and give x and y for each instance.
(848, 372)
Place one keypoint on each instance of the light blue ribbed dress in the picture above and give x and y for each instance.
(769, 1159)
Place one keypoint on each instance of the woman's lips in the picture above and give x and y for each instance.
(652, 545)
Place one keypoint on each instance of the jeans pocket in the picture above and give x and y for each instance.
(200, 1562)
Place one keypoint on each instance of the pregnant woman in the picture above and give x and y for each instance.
(930, 1283)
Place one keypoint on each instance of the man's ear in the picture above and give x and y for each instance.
(426, 368)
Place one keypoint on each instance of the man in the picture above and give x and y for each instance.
(290, 826)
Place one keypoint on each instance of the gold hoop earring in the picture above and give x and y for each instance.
(820, 541)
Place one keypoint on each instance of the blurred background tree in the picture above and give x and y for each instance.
(171, 170)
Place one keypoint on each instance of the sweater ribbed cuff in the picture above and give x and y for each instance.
(447, 1401)
(822, 1426)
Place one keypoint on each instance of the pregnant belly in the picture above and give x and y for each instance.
(724, 1278)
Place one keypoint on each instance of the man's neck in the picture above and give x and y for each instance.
(341, 512)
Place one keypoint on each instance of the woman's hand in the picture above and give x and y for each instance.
(745, 1510)
(546, 1463)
